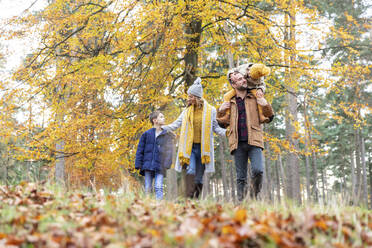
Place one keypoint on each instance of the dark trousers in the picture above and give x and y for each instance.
(241, 155)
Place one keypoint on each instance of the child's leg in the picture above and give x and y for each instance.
(261, 116)
(159, 186)
(149, 176)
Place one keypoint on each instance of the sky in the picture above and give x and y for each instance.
(16, 49)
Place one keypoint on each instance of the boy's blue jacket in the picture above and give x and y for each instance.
(154, 154)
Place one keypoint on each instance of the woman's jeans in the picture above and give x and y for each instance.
(241, 155)
(196, 167)
(149, 177)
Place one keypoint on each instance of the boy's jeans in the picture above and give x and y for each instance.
(241, 155)
(149, 177)
(196, 167)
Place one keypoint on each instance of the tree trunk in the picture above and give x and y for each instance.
(293, 189)
(284, 181)
(182, 188)
(370, 182)
(277, 180)
(223, 168)
(353, 191)
(365, 196)
(60, 163)
(324, 190)
(193, 35)
(342, 179)
(358, 167)
(315, 176)
(171, 184)
(267, 171)
(307, 162)
(6, 169)
(60, 158)
(233, 181)
(206, 189)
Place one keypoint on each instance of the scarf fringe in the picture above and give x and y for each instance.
(184, 161)
(206, 159)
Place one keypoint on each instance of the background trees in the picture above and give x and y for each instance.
(102, 66)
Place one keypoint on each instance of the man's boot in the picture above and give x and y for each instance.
(256, 186)
(198, 190)
(241, 191)
(190, 186)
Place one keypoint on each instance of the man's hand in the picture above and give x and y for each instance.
(259, 93)
(224, 106)
(262, 101)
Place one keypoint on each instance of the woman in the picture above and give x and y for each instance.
(196, 145)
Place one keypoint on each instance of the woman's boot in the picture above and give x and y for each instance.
(190, 186)
(198, 190)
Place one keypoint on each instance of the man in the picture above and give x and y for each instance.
(244, 132)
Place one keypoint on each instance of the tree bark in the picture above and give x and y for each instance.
(60, 164)
(284, 181)
(353, 191)
(365, 196)
(314, 166)
(277, 180)
(223, 168)
(293, 189)
(233, 181)
(193, 35)
(206, 189)
(268, 171)
(172, 188)
(171, 184)
(324, 185)
(358, 185)
(370, 182)
(307, 162)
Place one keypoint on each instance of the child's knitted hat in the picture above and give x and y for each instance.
(257, 71)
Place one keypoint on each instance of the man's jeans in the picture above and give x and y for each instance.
(241, 155)
(196, 167)
(149, 177)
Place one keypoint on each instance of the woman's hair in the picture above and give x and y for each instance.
(153, 116)
(198, 102)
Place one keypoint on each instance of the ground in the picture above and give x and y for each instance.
(47, 216)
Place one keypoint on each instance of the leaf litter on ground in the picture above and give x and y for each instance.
(34, 215)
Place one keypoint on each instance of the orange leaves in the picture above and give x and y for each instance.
(49, 219)
(240, 215)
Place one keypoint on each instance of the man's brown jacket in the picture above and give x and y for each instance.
(255, 135)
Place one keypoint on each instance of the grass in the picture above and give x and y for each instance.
(45, 216)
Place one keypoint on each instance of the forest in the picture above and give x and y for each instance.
(73, 109)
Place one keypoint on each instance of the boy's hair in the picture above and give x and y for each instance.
(153, 116)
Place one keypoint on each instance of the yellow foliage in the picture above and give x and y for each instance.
(102, 68)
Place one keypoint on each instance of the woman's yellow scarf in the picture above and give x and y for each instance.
(186, 136)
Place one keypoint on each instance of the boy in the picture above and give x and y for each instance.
(154, 154)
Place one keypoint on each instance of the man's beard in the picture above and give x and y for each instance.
(241, 88)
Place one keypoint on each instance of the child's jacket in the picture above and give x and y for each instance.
(154, 154)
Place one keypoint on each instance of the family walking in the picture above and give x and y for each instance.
(238, 118)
